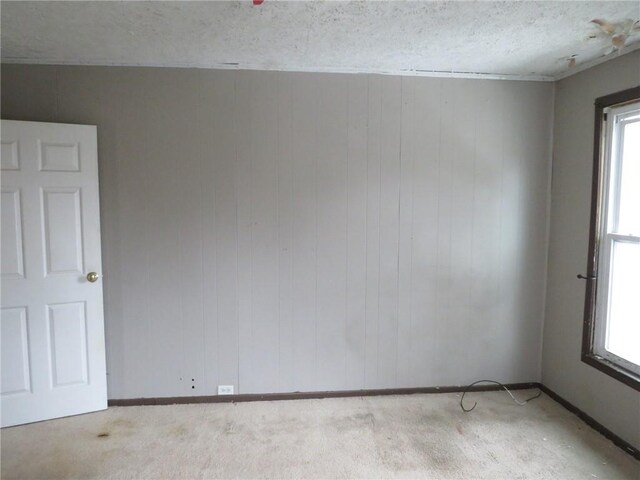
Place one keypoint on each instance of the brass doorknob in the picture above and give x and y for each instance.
(92, 276)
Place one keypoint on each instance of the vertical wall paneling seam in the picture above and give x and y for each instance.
(203, 177)
(416, 158)
(454, 160)
(199, 365)
(399, 226)
(366, 236)
(315, 189)
(292, 223)
(252, 154)
(277, 159)
(413, 154)
(178, 275)
(438, 307)
(346, 237)
(235, 191)
(521, 210)
(501, 115)
(436, 297)
(216, 292)
(379, 229)
(470, 277)
(202, 163)
(108, 289)
(147, 251)
(179, 272)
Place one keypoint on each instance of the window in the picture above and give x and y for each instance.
(611, 340)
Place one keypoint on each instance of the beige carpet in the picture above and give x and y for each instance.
(410, 436)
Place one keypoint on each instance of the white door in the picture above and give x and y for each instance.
(51, 324)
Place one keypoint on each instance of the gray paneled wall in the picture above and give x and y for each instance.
(610, 402)
(295, 231)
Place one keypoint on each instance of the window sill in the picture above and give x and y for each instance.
(613, 370)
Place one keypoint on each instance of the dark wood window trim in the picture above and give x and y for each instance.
(588, 336)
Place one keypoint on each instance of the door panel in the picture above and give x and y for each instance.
(62, 228)
(68, 343)
(15, 351)
(53, 354)
(9, 154)
(12, 255)
(59, 157)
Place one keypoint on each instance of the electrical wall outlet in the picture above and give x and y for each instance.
(225, 389)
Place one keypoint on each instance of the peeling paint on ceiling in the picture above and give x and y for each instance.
(514, 39)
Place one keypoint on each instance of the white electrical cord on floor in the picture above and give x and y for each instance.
(521, 403)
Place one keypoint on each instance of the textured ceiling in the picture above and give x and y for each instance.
(519, 39)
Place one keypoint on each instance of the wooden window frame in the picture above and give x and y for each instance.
(589, 356)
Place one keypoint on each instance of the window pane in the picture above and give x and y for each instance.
(623, 336)
(629, 214)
